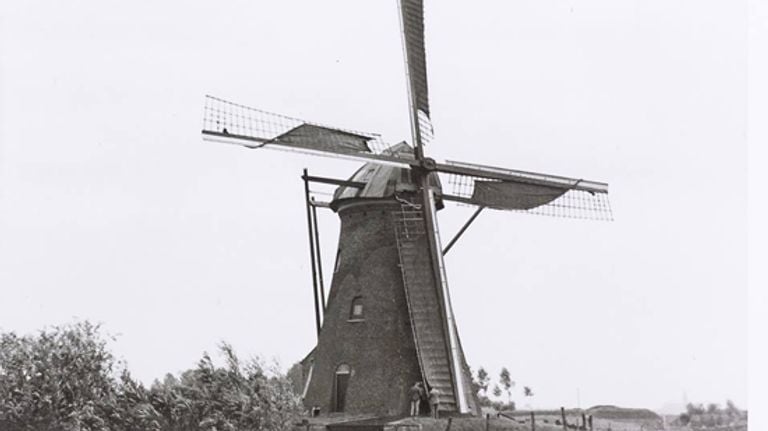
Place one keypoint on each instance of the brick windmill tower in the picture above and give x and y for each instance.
(388, 321)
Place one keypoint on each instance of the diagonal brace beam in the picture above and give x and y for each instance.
(461, 231)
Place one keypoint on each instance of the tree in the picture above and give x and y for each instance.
(483, 380)
(713, 408)
(527, 391)
(507, 383)
(694, 409)
(294, 375)
(496, 391)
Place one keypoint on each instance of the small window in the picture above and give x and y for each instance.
(356, 311)
(338, 262)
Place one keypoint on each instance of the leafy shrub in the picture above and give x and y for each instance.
(65, 379)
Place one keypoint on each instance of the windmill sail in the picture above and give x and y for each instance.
(462, 383)
(528, 192)
(513, 175)
(536, 200)
(412, 22)
(228, 122)
(508, 195)
(451, 381)
(412, 15)
(323, 139)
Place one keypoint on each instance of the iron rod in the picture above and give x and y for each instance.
(312, 252)
(461, 231)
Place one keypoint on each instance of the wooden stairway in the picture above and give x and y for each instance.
(424, 303)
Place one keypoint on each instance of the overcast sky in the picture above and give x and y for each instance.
(113, 209)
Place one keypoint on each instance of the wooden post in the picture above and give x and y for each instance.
(317, 257)
(562, 415)
(533, 421)
(583, 421)
(448, 428)
(487, 421)
(318, 310)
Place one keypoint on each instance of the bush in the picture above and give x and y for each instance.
(64, 378)
(60, 379)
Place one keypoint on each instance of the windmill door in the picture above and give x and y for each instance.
(340, 386)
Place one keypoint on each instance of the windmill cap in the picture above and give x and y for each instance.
(384, 181)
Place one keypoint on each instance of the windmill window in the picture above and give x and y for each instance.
(356, 311)
(338, 262)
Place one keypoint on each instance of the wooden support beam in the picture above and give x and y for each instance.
(317, 255)
(312, 251)
(334, 181)
(461, 231)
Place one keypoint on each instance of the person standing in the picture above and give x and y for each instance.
(416, 394)
(434, 401)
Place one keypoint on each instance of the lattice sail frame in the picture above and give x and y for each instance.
(262, 127)
(577, 204)
(255, 128)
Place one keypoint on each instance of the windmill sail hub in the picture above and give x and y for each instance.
(384, 182)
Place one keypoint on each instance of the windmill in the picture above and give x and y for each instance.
(388, 321)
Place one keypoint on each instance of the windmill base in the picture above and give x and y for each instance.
(459, 423)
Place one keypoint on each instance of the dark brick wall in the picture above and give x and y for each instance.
(379, 349)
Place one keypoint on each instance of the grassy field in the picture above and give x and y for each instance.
(472, 424)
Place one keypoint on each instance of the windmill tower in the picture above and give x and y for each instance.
(388, 321)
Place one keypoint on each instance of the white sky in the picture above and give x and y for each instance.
(112, 208)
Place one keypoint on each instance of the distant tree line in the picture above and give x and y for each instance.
(64, 378)
(491, 396)
(711, 415)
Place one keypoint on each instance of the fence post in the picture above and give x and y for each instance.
(533, 421)
(487, 421)
(562, 415)
(448, 428)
